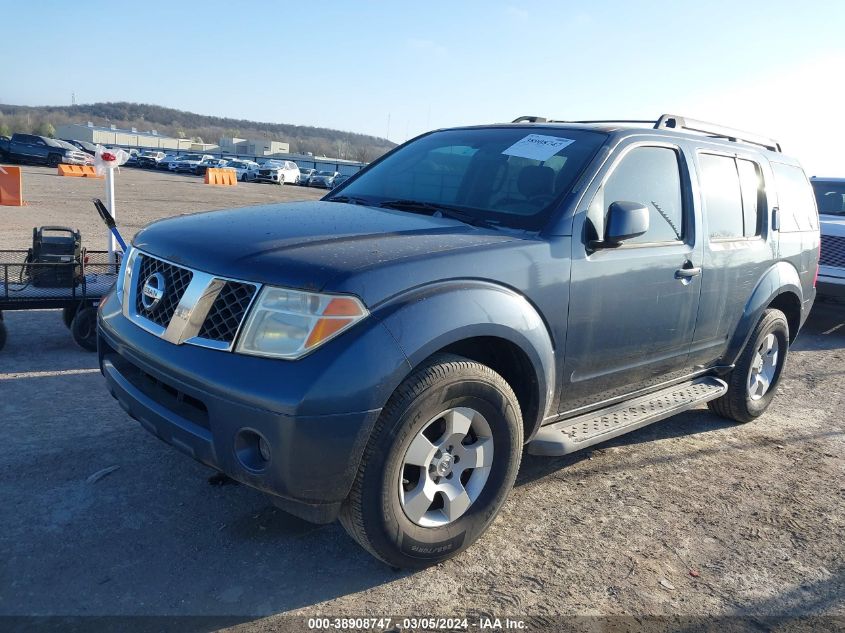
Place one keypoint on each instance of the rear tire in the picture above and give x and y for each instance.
(68, 313)
(754, 380)
(84, 328)
(408, 507)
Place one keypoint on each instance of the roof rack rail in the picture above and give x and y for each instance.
(529, 119)
(673, 121)
(608, 121)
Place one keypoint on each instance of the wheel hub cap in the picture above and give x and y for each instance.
(445, 467)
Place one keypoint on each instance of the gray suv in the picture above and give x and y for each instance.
(383, 356)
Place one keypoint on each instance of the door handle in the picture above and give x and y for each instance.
(687, 273)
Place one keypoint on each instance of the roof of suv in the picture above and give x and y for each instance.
(666, 125)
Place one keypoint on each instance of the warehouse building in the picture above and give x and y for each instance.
(252, 146)
(125, 138)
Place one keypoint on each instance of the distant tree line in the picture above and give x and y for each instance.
(43, 121)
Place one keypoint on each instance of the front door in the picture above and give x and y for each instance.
(633, 307)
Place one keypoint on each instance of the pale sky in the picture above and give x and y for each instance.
(398, 69)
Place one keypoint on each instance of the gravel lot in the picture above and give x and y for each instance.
(693, 516)
(142, 196)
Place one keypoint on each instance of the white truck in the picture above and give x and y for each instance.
(830, 199)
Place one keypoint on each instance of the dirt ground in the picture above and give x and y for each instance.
(142, 196)
(693, 516)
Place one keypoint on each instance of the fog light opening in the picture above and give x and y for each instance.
(252, 450)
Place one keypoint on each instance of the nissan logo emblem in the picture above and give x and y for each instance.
(153, 291)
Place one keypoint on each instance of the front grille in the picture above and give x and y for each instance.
(833, 251)
(176, 280)
(227, 312)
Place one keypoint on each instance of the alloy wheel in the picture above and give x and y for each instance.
(445, 467)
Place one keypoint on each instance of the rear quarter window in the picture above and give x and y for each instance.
(796, 201)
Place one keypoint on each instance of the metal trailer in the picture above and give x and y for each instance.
(89, 277)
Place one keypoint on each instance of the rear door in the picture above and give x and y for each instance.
(632, 310)
(735, 192)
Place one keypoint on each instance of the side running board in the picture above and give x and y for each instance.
(573, 434)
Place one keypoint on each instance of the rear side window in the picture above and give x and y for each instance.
(722, 196)
(795, 199)
(651, 177)
(753, 196)
(734, 198)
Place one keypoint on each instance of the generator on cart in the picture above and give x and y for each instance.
(58, 272)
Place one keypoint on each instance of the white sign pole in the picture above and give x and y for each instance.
(111, 207)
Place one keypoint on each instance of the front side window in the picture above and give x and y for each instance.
(513, 176)
(651, 177)
(830, 196)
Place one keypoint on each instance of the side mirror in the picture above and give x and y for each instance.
(625, 220)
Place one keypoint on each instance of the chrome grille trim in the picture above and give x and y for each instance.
(192, 310)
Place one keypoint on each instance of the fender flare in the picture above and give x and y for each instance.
(472, 308)
(782, 278)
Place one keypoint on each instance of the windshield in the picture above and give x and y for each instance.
(192, 157)
(514, 175)
(326, 173)
(830, 196)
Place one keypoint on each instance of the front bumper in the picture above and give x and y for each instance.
(830, 286)
(315, 415)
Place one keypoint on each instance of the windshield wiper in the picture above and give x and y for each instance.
(445, 210)
(350, 200)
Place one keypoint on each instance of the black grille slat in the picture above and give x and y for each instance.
(227, 312)
(833, 251)
(176, 282)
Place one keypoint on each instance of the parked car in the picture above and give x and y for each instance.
(77, 157)
(29, 148)
(305, 176)
(323, 179)
(85, 146)
(150, 159)
(340, 179)
(278, 172)
(245, 169)
(189, 162)
(168, 162)
(132, 161)
(204, 164)
(830, 199)
(383, 355)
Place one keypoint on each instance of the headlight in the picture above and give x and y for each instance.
(122, 285)
(289, 323)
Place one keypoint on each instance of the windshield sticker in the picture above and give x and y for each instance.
(538, 147)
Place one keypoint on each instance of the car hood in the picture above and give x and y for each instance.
(832, 225)
(305, 244)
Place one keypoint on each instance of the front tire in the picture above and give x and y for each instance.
(754, 380)
(439, 465)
